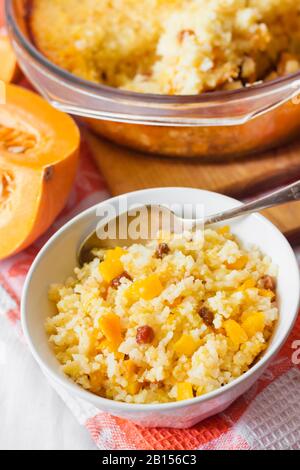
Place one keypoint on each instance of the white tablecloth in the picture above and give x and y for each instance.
(32, 415)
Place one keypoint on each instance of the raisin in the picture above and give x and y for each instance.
(144, 334)
(162, 249)
(267, 282)
(207, 316)
(116, 282)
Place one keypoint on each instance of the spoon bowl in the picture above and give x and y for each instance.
(138, 225)
(153, 218)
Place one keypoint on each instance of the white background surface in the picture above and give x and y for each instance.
(32, 415)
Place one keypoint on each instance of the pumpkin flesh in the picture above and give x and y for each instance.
(38, 161)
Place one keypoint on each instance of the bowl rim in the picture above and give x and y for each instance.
(106, 403)
(115, 93)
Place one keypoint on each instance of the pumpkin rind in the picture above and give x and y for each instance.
(9, 69)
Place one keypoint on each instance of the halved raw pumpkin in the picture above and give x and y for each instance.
(9, 69)
(38, 162)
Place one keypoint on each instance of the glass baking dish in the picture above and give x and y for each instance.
(211, 125)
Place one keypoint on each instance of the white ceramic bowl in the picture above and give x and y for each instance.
(57, 260)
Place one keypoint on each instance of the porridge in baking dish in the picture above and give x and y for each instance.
(171, 320)
(170, 46)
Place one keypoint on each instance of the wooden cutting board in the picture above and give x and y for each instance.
(125, 170)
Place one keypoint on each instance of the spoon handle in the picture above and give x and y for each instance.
(288, 193)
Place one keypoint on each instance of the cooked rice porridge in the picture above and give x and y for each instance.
(175, 319)
(173, 47)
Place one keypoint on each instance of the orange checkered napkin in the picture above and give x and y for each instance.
(266, 417)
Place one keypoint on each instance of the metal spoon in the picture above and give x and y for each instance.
(287, 193)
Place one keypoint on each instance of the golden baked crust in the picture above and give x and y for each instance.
(170, 46)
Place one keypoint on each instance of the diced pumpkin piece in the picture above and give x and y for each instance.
(235, 332)
(96, 380)
(200, 390)
(112, 266)
(254, 323)
(223, 230)
(119, 356)
(150, 287)
(110, 271)
(171, 319)
(110, 326)
(9, 66)
(267, 293)
(184, 391)
(133, 388)
(248, 284)
(38, 163)
(147, 288)
(130, 367)
(240, 263)
(105, 344)
(246, 315)
(115, 254)
(112, 347)
(186, 345)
